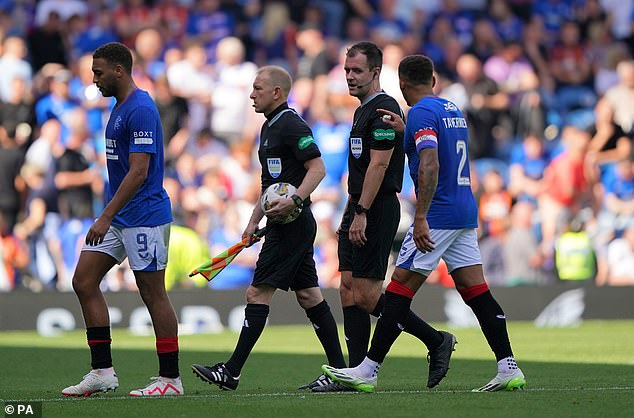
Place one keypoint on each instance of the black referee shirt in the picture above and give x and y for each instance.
(286, 142)
(370, 132)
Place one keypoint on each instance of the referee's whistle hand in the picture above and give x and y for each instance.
(394, 120)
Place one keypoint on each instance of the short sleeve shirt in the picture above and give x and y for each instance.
(434, 122)
(369, 132)
(286, 143)
(135, 126)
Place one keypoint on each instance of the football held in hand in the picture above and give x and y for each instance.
(280, 191)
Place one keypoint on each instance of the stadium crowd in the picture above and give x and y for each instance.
(546, 85)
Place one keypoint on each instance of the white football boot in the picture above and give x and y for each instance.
(97, 380)
(161, 386)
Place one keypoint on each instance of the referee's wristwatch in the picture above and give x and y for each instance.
(299, 202)
(358, 209)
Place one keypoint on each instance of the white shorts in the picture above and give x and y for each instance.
(458, 247)
(145, 246)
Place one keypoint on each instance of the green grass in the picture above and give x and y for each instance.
(586, 371)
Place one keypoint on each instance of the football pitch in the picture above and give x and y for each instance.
(586, 371)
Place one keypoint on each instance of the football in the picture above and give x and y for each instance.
(279, 191)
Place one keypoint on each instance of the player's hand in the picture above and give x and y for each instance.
(356, 234)
(395, 121)
(248, 234)
(280, 209)
(98, 230)
(422, 237)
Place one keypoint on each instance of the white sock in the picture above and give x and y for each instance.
(106, 372)
(369, 368)
(507, 365)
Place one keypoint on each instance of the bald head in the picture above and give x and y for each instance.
(277, 77)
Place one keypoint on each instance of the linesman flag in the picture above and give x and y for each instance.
(214, 266)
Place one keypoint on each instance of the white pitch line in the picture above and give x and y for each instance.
(303, 395)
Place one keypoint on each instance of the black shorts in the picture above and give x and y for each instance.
(370, 261)
(286, 259)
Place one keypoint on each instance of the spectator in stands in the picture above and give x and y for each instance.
(149, 49)
(46, 43)
(191, 79)
(495, 204)
(99, 32)
(40, 227)
(83, 91)
(621, 260)
(13, 65)
(58, 103)
(522, 256)
(173, 111)
(275, 34)
(575, 258)
(76, 183)
(534, 42)
(566, 185)
(46, 147)
(207, 24)
(528, 163)
(508, 26)
(618, 198)
(14, 255)
(385, 26)
(572, 71)
(614, 119)
(18, 109)
(173, 15)
(11, 158)
(233, 120)
(131, 17)
(485, 40)
(480, 98)
(65, 9)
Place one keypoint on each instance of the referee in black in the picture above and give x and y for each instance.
(288, 153)
(376, 165)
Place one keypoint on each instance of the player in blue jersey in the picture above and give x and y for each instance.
(135, 223)
(436, 144)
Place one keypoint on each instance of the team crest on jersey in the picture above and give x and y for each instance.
(117, 123)
(356, 147)
(450, 107)
(275, 166)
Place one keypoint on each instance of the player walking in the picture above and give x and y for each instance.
(288, 153)
(444, 226)
(135, 223)
(375, 161)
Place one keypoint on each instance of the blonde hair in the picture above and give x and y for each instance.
(277, 77)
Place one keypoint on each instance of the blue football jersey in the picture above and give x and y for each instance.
(134, 126)
(434, 122)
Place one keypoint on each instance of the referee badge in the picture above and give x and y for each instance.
(275, 166)
(356, 147)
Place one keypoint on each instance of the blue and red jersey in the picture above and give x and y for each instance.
(434, 122)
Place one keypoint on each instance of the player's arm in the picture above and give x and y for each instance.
(254, 221)
(396, 121)
(427, 182)
(315, 173)
(139, 165)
